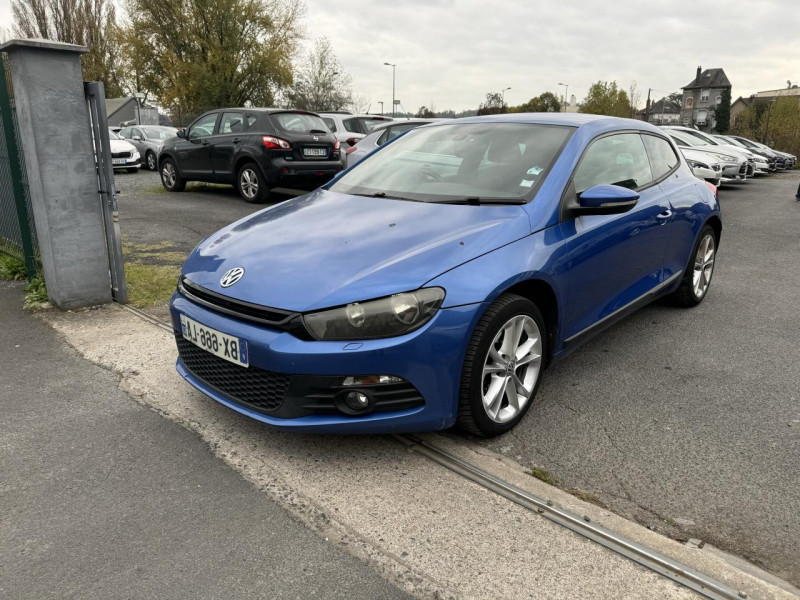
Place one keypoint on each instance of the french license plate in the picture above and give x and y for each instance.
(118, 161)
(228, 347)
(315, 152)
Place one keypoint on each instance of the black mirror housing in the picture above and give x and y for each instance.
(604, 199)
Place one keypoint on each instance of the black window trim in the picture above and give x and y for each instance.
(677, 155)
(563, 207)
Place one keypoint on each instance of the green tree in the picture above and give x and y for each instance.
(493, 105)
(321, 83)
(425, 113)
(212, 53)
(722, 113)
(606, 98)
(546, 102)
(90, 23)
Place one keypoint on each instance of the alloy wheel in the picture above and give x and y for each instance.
(168, 174)
(151, 161)
(703, 265)
(511, 368)
(248, 183)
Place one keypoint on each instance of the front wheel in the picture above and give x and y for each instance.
(502, 367)
(170, 178)
(251, 184)
(152, 165)
(697, 277)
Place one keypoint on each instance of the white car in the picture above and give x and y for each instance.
(349, 128)
(736, 166)
(755, 162)
(124, 155)
(379, 136)
(704, 165)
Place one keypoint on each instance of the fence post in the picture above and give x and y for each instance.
(18, 187)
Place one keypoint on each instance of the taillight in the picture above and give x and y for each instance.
(275, 142)
(337, 145)
(713, 188)
(350, 149)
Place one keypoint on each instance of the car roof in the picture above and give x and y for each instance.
(419, 121)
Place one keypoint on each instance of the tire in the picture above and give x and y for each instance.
(133, 170)
(483, 374)
(150, 161)
(692, 289)
(251, 184)
(170, 178)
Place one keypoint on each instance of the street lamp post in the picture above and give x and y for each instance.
(394, 70)
(503, 95)
(566, 91)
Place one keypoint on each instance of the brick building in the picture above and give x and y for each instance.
(701, 97)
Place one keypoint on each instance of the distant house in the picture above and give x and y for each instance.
(127, 110)
(738, 107)
(764, 97)
(663, 112)
(701, 97)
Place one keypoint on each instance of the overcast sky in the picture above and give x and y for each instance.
(449, 53)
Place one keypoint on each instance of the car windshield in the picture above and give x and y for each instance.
(159, 133)
(113, 135)
(300, 122)
(688, 140)
(733, 141)
(459, 162)
(703, 138)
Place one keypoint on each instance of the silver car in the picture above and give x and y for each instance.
(349, 128)
(148, 139)
(379, 136)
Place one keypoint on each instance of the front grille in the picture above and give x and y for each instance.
(121, 155)
(261, 390)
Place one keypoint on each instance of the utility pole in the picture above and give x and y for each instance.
(647, 107)
(766, 127)
(394, 70)
(566, 94)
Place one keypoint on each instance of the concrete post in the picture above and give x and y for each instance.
(62, 180)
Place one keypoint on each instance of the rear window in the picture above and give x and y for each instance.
(299, 122)
(330, 123)
(371, 124)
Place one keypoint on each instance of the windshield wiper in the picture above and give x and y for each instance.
(477, 200)
(385, 195)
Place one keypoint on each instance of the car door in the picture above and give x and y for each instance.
(613, 260)
(225, 143)
(135, 133)
(194, 151)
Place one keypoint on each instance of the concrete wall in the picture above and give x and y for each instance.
(57, 144)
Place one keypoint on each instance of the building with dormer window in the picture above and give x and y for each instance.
(701, 98)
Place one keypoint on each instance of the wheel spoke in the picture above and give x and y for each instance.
(495, 356)
(511, 394)
(520, 386)
(528, 359)
(525, 349)
(493, 399)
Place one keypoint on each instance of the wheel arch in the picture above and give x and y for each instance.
(716, 224)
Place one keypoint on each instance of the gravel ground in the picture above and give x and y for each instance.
(685, 420)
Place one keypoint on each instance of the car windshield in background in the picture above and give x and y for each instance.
(300, 122)
(688, 140)
(484, 161)
(159, 133)
(371, 124)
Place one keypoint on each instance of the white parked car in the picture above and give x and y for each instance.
(736, 166)
(704, 165)
(349, 128)
(757, 162)
(124, 155)
(379, 136)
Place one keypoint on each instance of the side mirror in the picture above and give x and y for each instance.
(181, 133)
(605, 199)
(137, 138)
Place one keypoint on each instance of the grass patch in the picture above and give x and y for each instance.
(543, 475)
(12, 268)
(588, 497)
(36, 294)
(150, 285)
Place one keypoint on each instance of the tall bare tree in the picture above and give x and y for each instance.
(90, 23)
(321, 82)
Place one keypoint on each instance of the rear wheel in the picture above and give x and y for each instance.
(170, 178)
(697, 277)
(251, 184)
(151, 161)
(502, 367)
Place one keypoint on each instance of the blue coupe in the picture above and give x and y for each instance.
(432, 284)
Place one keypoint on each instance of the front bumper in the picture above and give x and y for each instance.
(429, 360)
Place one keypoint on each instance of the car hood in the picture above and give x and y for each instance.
(122, 146)
(327, 249)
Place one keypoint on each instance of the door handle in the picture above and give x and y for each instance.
(664, 215)
(236, 140)
(204, 142)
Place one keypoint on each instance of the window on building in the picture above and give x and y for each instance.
(718, 100)
(704, 94)
(689, 102)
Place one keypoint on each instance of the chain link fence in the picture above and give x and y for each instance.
(17, 232)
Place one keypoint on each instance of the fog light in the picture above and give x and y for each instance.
(371, 380)
(356, 401)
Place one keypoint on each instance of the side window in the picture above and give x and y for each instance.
(384, 137)
(251, 120)
(331, 123)
(125, 133)
(135, 132)
(662, 157)
(618, 159)
(204, 127)
(231, 122)
(352, 125)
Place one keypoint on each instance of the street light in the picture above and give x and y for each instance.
(503, 95)
(566, 91)
(394, 70)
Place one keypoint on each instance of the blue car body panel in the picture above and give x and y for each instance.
(327, 249)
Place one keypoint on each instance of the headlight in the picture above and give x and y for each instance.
(695, 164)
(135, 155)
(725, 157)
(384, 317)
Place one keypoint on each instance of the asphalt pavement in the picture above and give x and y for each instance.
(101, 497)
(687, 421)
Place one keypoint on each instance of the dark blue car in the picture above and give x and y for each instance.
(431, 284)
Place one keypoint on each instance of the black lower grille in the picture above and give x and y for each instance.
(261, 390)
(121, 155)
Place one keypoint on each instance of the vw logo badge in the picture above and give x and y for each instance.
(231, 277)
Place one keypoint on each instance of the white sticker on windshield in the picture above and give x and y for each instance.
(535, 170)
(526, 183)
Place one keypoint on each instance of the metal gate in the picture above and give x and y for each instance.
(96, 103)
(17, 233)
